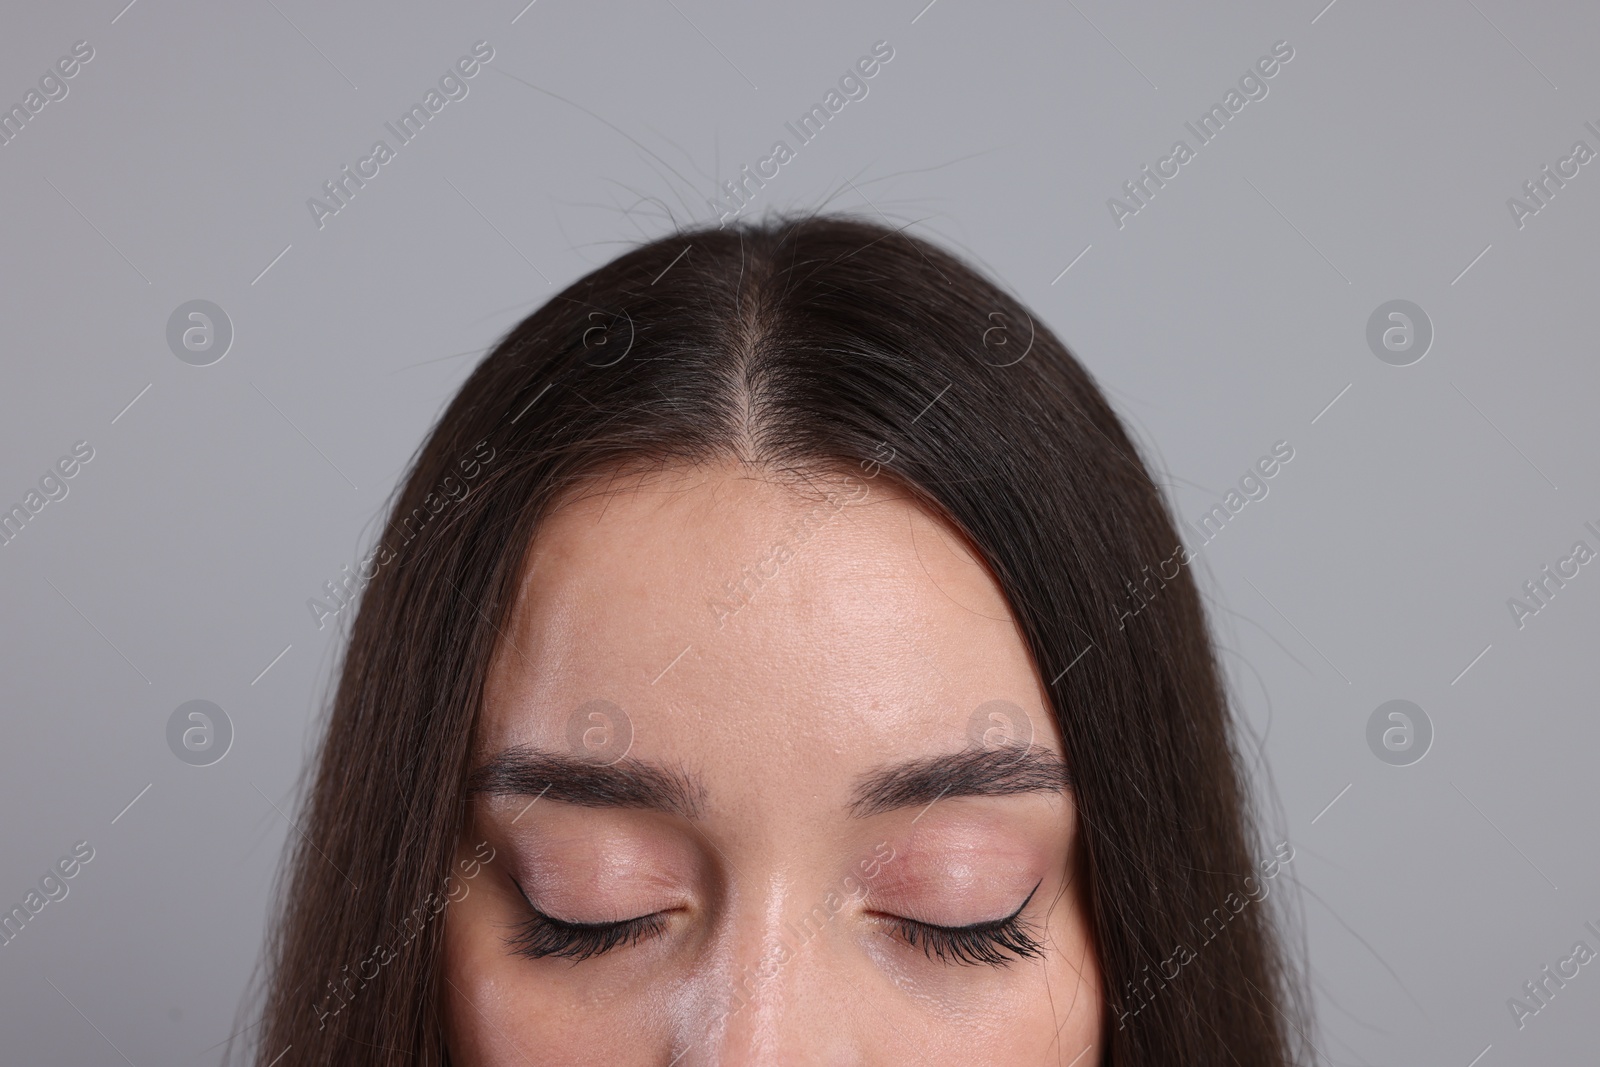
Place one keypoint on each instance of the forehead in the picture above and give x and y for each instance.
(724, 610)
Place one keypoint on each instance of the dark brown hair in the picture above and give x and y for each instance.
(795, 344)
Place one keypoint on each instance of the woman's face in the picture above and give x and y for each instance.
(766, 778)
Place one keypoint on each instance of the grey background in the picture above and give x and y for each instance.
(1225, 316)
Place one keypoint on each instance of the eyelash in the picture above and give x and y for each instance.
(544, 935)
(995, 942)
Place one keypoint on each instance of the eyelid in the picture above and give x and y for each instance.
(573, 924)
(981, 924)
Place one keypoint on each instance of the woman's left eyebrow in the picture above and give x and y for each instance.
(982, 772)
(629, 783)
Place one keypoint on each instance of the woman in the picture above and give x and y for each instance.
(749, 674)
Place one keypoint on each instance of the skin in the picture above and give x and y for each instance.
(867, 642)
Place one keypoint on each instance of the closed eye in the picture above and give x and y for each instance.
(996, 942)
(543, 935)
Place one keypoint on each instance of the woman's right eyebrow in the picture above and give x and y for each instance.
(628, 783)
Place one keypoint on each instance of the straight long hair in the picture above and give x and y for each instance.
(793, 344)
